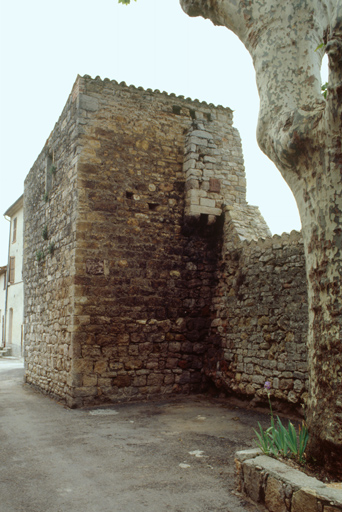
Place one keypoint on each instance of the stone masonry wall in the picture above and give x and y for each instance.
(146, 272)
(260, 328)
(50, 201)
(213, 178)
(122, 306)
(144, 276)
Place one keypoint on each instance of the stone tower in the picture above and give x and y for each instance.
(126, 216)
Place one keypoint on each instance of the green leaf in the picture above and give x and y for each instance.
(292, 439)
(125, 2)
(282, 438)
(263, 440)
(324, 89)
(303, 441)
(322, 45)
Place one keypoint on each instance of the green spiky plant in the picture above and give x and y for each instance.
(279, 441)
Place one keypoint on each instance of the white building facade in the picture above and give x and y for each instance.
(11, 283)
(3, 272)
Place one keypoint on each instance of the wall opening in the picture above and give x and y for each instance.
(153, 206)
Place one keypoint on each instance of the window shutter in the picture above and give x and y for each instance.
(12, 270)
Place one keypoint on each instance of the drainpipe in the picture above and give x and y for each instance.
(7, 282)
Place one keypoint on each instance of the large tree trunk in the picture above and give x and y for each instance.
(300, 131)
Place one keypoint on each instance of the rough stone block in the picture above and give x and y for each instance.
(88, 102)
(304, 500)
(189, 164)
(83, 366)
(214, 185)
(199, 141)
(155, 379)
(209, 159)
(85, 392)
(100, 367)
(275, 496)
(197, 210)
(253, 481)
(207, 202)
(133, 364)
(247, 454)
(169, 379)
(89, 380)
(139, 381)
(122, 381)
(200, 134)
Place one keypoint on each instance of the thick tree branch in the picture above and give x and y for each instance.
(282, 38)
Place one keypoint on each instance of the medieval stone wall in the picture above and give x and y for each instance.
(129, 315)
(50, 200)
(143, 265)
(260, 328)
(144, 278)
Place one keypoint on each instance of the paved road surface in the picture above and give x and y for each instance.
(165, 456)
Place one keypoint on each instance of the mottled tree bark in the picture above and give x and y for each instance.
(300, 132)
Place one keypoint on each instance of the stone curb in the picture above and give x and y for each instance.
(281, 488)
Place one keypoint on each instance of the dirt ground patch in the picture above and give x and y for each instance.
(174, 455)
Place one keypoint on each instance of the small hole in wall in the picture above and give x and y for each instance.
(176, 109)
(153, 206)
(129, 195)
(192, 114)
(208, 116)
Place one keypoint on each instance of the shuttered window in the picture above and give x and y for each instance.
(14, 230)
(12, 270)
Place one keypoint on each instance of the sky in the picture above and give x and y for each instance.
(151, 43)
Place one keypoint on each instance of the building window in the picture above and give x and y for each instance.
(5, 275)
(14, 230)
(12, 270)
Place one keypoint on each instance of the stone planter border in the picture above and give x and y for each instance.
(280, 488)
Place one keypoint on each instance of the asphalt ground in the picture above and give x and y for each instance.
(174, 455)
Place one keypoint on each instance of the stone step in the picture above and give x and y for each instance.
(4, 352)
